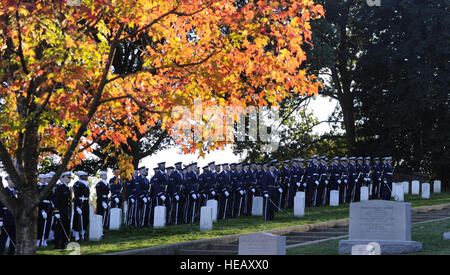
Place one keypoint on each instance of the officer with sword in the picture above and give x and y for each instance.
(62, 200)
(102, 191)
(81, 206)
(7, 222)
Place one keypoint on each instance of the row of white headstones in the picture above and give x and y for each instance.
(208, 213)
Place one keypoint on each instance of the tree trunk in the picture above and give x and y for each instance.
(26, 230)
(349, 123)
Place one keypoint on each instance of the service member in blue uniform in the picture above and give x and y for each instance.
(294, 182)
(131, 185)
(366, 175)
(323, 181)
(7, 222)
(80, 206)
(388, 170)
(335, 178)
(176, 192)
(247, 186)
(252, 187)
(312, 176)
(376, 178)
(102, 191)
(62, 200)
(269, 188)
(284, 182)
(115, 187)
(224, 189)
(343, 187)
(352, 180)
(45, 211)
(360, 179)
(145, 200)
(191, 181)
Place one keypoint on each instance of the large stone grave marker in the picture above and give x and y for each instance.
(96, 228)
(387, 223)
(262, 243)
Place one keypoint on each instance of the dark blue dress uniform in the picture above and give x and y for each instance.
(386, 188)
(81, 201)
(191, 182)
(352, 179)
(132, 195)
(294, 185)
(367, 177)
(335, 175)
(225, 191)
(359, 181)
(268, 188)
(102, 191)
(284, 182)
(312, 177)
(247, 180)
(252, 189)
(301, 174)
(209, 182)
(238, 193)
(115, 187)
(145, 201)
(376, 178)
(9, 225)
(62, 200)
(344, 184)
(323, 181)
(45, 209)
(176, 192)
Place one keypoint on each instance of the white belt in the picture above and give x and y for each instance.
(46, 201)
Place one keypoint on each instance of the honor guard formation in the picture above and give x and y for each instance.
(183, 190)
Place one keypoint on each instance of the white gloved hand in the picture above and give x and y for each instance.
(339, 181)
(177, 197)
(253, 190)
(385, 181)
(57, 216)
(163, 197)
(104, 205)
(213, 193)
(356, 180)
(266, 195)
(194, 196)
(44, 215)
(379, 179)
(79, 210)
(298, 184)
(345, 181)
(116, 200)
(1, 224)
(304, 184)
(144, 200)
(241, 192)
(226, 193)
(280, 190)
(132, 200)
(317, 182)
(326, 181)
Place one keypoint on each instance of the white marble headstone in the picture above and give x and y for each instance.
(437, 186)
(299, 204)
(206, 218)
(334, 198)
(364, 195)
(405, 187)
(397, 190)
(214, 205)
(91, 211)
(159, 217)
(257, 207)
(415, 187)
(425, 190)
(115, 218)
(96, 228)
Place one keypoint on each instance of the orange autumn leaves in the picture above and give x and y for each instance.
(224, 52)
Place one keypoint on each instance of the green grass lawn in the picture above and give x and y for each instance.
(430, 234)
(126, 239)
